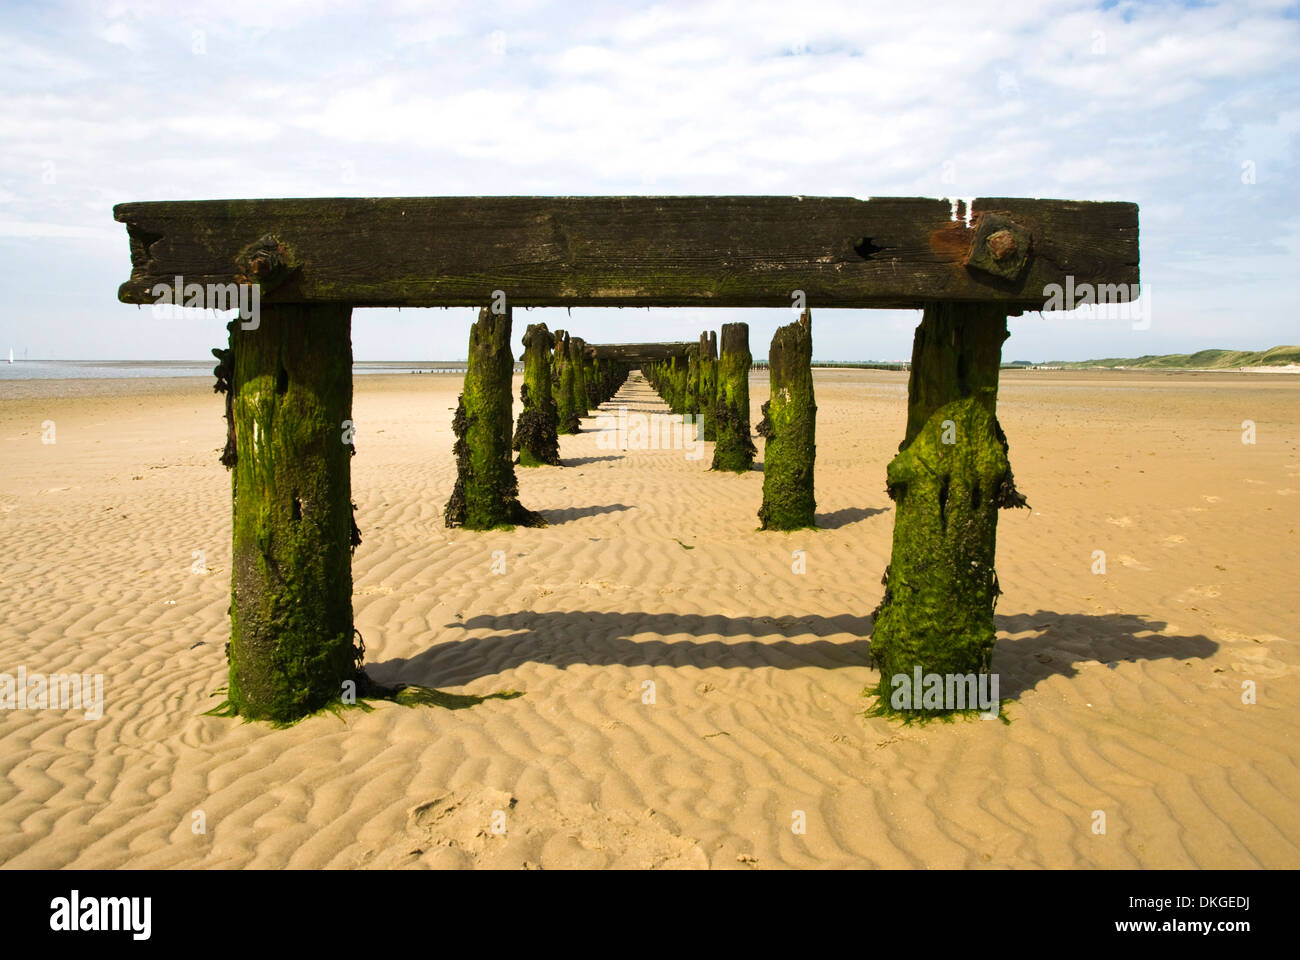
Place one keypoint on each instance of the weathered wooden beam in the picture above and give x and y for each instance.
(632, 251)
(638, 352)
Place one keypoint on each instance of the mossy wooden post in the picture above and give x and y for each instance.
(535, 434)
(291, 637)
(788, 502)
(948, 480)
(654, 372)
(591, 378)
(735, 449)
(562, 381)
(692, 405)
(679, 385)
(708, 385)
(486, 494)
(577, 361)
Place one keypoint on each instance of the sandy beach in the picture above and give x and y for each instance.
(1125, 688)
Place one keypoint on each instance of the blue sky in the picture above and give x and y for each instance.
(1189, 110)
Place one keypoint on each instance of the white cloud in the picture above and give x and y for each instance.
(953, 98)
(28, 231)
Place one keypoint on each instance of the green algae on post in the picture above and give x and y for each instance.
(577, 360)
(536, 433)
(791, 416)
(486, 495)
(679, 400)
(291, 633)
(692, 404)
(949, 479)
(735, 449)
(562, 385)
(592, 380)
(708, 390)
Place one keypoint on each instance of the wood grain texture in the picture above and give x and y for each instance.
(625, 251)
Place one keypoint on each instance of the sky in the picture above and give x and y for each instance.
(1188, 109)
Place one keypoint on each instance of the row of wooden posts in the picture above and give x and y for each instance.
(563, 380)
(293, 645)
(711, 384)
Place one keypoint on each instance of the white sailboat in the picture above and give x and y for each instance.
(11, 354)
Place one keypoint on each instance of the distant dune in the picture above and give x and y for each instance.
(1202, 360)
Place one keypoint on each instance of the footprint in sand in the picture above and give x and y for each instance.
(1128, 561)
(1206, 591)
(1120, 521)
(1209, 499)
(1260, 664)
(1175, 538)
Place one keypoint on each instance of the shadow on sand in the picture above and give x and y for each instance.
(842, 518)
(554, 517)
(566, 638)
(582, 461)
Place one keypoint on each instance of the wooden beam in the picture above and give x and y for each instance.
(632, 251)
(638, 352)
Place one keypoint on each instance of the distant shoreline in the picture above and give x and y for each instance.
(1281, 359)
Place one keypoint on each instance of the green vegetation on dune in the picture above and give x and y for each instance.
(1201, 360)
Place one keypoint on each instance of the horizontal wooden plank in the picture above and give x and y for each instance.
(631, 251)
(639, 352)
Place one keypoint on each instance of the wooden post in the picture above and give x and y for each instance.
(486, 494)
(591, 377)
(708, 385)
(948, 480)
(735, 449)
(577, 360)
(562, 383)
(535, 434)
(788, 501)
(291, 634)
(692, 405)
(611, 374)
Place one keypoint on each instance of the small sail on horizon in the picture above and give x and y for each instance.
(11, 354)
